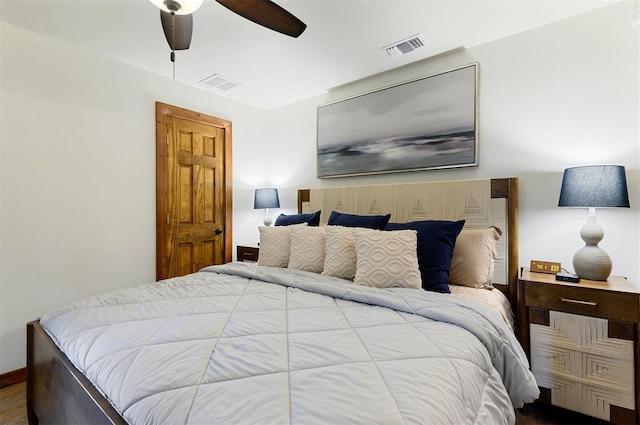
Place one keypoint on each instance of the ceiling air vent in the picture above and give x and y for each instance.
(405, 46)
(219, 82)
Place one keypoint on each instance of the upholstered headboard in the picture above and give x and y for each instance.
(481, 203)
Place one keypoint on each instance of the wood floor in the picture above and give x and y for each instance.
(13, 411)
(13, 405)
(550, 415)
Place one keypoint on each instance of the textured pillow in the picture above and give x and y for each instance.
(307, 248)
(340, 252)
(436, 240)
(312, 219)
(352, 220)
(275, 245)
(387, 259)
(474, 257)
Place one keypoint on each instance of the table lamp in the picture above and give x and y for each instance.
(266, 198)
(593, 186)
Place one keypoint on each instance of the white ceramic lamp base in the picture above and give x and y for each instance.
(592, 262)
(267, 219)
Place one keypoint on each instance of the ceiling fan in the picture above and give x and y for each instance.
(177, 19)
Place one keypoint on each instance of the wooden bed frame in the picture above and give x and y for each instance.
(59, 393)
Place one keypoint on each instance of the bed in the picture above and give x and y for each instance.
(245, 343)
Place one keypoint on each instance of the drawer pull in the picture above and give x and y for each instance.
(570, 301)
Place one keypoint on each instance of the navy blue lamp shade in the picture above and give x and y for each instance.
(266, 198)
(593, 186)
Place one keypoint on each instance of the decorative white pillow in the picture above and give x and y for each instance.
(387, 259)
(275, 245)
(340, 252)
(474, 257)
(307, 248)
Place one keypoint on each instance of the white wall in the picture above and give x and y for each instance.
(77, 164)
(561, 95)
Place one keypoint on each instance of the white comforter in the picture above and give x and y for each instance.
(224, 346)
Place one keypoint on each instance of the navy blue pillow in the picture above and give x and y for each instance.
(312, 219)
(351, 220)
(436, 240)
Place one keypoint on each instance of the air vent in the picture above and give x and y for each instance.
(219, 82)
(405, 46)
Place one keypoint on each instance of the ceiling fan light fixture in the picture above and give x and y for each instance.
(179, 7)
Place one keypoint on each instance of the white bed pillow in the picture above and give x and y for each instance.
(387, 259)
(474, 257)
(340, 252)
(275, 245)
(307, 248)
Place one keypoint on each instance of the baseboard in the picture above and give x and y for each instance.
(13, 377)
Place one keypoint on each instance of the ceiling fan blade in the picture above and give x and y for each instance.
(177, 30)
(268, 14)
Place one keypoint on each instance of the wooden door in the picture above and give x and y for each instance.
(193, 191)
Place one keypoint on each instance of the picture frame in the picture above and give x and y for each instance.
(422, 124)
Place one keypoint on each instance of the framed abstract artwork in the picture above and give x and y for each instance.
(422, 124)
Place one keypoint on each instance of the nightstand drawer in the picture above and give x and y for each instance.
(586, 301)
(585, 369)
(247, 253)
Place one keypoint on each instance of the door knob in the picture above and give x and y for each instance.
(218, 231)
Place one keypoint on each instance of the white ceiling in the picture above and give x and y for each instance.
(341, 43)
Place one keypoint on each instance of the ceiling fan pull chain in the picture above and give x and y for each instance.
(173, 36)
(173, 63)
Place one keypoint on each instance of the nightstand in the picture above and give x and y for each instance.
(248, 252)
(582, 340)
